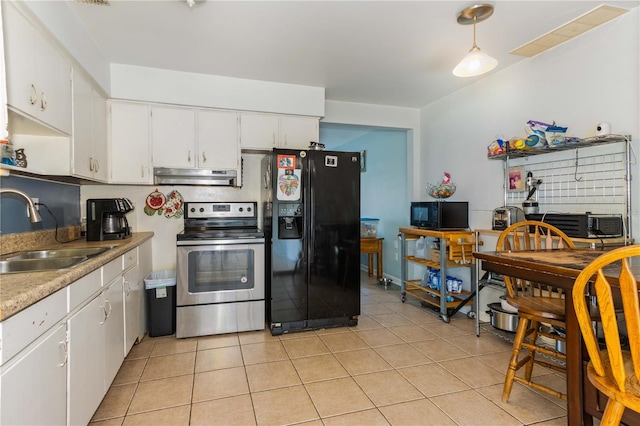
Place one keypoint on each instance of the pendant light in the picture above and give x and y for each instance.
(475, 62)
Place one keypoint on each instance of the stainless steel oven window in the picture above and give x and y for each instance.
(221, 270)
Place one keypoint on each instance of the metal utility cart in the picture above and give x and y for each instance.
(455, 251)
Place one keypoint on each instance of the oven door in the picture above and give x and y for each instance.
(220, 272)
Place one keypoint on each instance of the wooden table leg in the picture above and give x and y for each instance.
(379, 264)
(575, 402)
(370, 264)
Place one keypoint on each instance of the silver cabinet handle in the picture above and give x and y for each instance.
(43, 102)
(104, 312)
(142, 171)
(63, 344)
(204, 157)
(127, 288)
(97, 165)
(33, 97)
(189, 156)
(110, 308)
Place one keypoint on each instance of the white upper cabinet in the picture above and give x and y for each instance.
(89, 131)
(217, 141)
(298, 132)
(130, 145)
(189, 138)
(267, 131)
(173, 136)
(38, 75)
(258, 131)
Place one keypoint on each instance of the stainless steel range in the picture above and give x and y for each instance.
(220, 270)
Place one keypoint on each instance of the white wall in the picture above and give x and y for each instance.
(383, 116)
(591, 79)
(182, 88)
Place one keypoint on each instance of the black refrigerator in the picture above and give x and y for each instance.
(311, 219)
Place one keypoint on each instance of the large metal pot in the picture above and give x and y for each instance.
(501, 319)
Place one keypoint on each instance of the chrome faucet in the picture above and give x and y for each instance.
(34, 215)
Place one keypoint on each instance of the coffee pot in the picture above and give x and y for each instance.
(106, 219)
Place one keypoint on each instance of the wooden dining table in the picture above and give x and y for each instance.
(559, 268)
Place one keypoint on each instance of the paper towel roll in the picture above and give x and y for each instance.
(603, 129)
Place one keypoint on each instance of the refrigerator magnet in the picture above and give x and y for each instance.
(286, 161)
(289, 184)
(331, 160)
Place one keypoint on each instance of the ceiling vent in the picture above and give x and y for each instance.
(574, 28)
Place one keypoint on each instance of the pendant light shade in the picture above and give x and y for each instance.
(475, 62)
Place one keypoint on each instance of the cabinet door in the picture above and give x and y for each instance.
(54, 85)
(298, 132)
(86, 361)
(20, 40)
(113, 331)
(82, 127)
(132, 293)
(173, 137)
(218, 141)
(38, 75)
(130, 144)
(258, 131)
(34, 387)
(100, 147)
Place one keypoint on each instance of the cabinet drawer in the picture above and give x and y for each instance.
(26, 326)
(85, 287)
(130, 259)
(111, 270)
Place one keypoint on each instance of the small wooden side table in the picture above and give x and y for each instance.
(373, 246)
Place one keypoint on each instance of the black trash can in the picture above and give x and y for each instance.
(160, 289)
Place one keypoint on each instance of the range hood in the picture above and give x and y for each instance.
(164, 175)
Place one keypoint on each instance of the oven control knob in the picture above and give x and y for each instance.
(241, 209)
(248, 209)
(193, 209)
(201, 209)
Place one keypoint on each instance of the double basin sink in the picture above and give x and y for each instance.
(48, 259)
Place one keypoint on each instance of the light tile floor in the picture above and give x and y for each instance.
(401, 366)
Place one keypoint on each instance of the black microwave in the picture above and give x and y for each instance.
(440, 214)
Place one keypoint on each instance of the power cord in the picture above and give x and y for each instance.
(55, 221)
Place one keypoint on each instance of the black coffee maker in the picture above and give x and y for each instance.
(106, 219)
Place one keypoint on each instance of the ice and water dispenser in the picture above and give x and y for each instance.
(290, 221)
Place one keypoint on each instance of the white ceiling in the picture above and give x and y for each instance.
(379, 52)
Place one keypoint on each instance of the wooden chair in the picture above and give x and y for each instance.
(536, 304)
(613, 371)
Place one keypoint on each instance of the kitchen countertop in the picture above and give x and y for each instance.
(21, 290)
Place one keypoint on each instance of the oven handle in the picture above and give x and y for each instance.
(213, 242)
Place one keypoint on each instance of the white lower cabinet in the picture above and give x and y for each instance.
(86, 361)
(113, 331)
(59, 357)
(34, 385)
(132, 293)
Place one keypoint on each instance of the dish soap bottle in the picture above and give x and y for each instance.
(8, 154)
